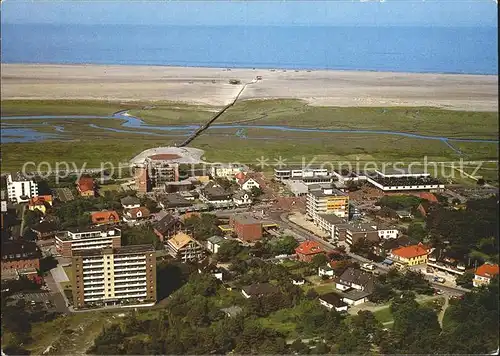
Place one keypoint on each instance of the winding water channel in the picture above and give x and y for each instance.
(12, 132)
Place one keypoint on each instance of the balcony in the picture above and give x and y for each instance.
(96, 265)
(140, 268)
(130, 290)
(130, 263)
(99, 271)
(93, 260)
(126, 296)
(93, 277)
(85, 293)
(129, 258)
(94, 286)
(129, 285)
(124, 275)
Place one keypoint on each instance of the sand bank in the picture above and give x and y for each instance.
(209, 86)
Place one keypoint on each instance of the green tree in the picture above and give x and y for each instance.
(465, 280)
(416, 232)
(202, 227)
(299, 347)
(256, 192)
(228, 250)
(319, 260)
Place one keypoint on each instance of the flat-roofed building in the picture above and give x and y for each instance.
(113, 276)
(355, 232)
(71, 240)
(19, 255)
(327, 201)
(404, 181)
(246, 227)
(285, 173)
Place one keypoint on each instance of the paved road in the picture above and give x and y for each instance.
(282, 218)
(58, 294)
(443, 310)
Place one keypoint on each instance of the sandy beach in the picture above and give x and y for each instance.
(210, 86)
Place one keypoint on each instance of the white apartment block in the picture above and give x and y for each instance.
(70, 241)
(299, 173)
(114, 276)
(20, 190)
(225, 170)
(387, 232)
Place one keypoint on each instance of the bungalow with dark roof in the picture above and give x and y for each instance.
(213, 193)
(259, 290)
(333, 301)
(45, 230)
(355, 278)
(130, 202)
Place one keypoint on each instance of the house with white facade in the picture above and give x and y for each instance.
(484, 274)
(214, 243)
(356, 285)
(242, 198)
(333, 301)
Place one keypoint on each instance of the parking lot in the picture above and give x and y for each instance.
(37, 299)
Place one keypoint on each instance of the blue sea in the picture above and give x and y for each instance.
(471, 50)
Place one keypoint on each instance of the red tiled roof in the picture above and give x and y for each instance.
(85, 184)
(410, 251)
(309, 248)
(428, 196)
(239, 175)
(487, 270)
(103, 217)
(40, 200)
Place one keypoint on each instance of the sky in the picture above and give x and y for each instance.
(448, 13)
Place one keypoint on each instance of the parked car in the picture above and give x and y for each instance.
(439, 279)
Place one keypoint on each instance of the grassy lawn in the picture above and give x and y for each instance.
(284, 320)
(421, 120)
(61, 107)
(175, 114)
(85, 151)
(321, 147)
(383, 315)
(110, 187)
(71, 334)
(93, 145)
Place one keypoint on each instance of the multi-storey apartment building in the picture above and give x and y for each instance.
(327, 201)
(20, 189)
(72, 240)
(154, 172)
(113, 276)
(185, 248)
